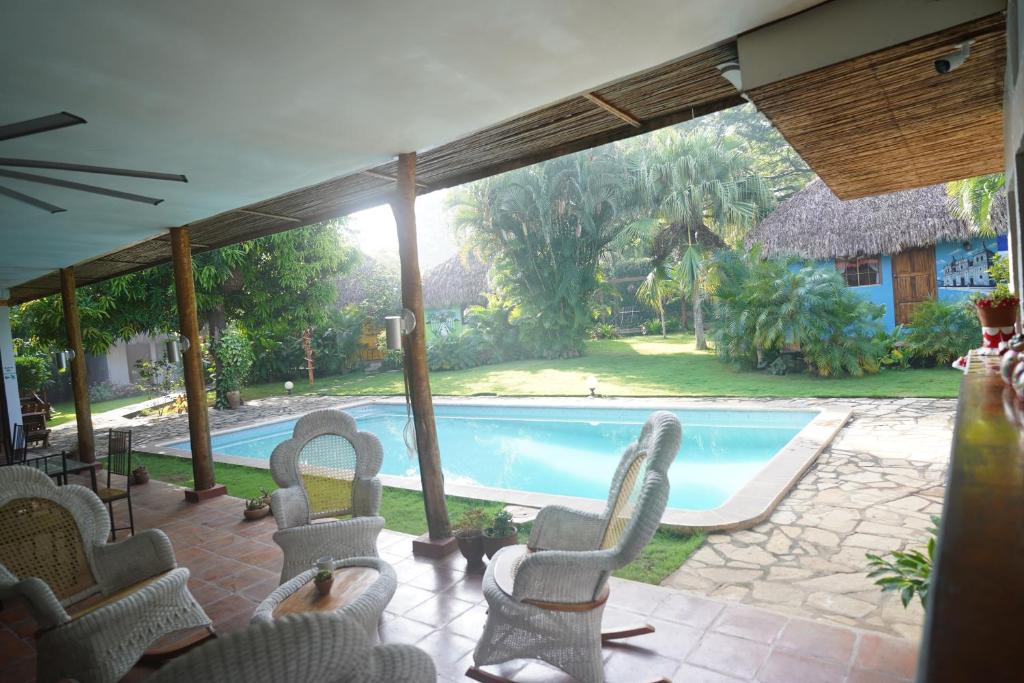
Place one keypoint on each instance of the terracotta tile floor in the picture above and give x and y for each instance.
(440, 609)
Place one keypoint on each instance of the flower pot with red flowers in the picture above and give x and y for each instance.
(997, 313)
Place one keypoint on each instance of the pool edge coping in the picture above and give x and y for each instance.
(749, 506)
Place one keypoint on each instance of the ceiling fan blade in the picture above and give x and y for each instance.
(82, 168)
(82, 187)
(32, 201)
(39, 125)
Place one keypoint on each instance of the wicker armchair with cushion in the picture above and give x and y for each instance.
(546, 599)
(98, 605)
(328, 469)
(300, 648)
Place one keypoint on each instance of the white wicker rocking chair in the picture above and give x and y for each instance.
(300, 648)
(327, 469)
(546, 599)
(98, 605)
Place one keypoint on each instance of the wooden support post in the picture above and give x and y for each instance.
(415, 359)
(191, 358)
(79, 382)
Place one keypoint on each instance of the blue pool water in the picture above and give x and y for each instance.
(564, 451)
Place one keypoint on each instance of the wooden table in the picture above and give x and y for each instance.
(349, 584)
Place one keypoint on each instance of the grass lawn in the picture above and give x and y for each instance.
(403, 511)
(65, 412)
(637, 366)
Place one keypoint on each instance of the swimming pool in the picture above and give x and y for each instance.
(564, 451)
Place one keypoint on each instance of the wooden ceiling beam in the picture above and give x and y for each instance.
(264, 214)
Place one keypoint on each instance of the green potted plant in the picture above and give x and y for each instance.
(998, 308)
(469, 533)
(909, 573)
(323, 580)
(235, 357)
(140, 475)
(500, 534)
(256, 508)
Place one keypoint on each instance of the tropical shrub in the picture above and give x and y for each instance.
(764, 308)
(941, 331)
(35, 371)
(495, 326)
(234, 351)
(654, 326)
(158, 378)
(455, 352)
(604, 331)
(908, 572)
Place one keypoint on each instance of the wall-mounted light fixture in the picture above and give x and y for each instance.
(64, 359)
(395, 326)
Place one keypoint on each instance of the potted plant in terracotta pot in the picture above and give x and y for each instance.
(469, 533)
(500, 534)
(140, 475)
(997, 313)
(323, 580)
(256, 508)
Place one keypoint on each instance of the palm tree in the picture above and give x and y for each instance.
(974, 200)
(697, 181)
(689, 273)
(656, 288)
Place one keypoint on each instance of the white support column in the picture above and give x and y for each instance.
(10, 374)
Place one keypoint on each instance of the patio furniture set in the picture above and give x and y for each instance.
(101, 605)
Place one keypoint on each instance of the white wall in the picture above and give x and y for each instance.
(9, 370)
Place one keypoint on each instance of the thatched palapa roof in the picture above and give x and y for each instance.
(459, 281)
(815, 224)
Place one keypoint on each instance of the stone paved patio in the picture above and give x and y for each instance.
(873, 490)
(439, 607)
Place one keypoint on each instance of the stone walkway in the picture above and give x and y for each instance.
(873, 490)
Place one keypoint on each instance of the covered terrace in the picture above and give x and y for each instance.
(133, 136)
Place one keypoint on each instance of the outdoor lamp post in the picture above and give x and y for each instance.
(592, 385)
(176, 347)
(288, 386)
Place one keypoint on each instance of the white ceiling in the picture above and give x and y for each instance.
(250, 99)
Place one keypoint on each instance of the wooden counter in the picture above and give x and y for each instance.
(974, 628)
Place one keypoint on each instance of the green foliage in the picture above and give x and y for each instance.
(235, 356)
(974, 200)
(941, 331)
(323, 575)
(604, 331)
(471, 522)
(159, 378)
(545, 228)
(257, 503)
(501, 525)
(908, 572)
(336, 346)
(105, 391)
(34, 368)
(654, 326)
(763, 308)
(498, 334)
(894, 348)
(455, 352)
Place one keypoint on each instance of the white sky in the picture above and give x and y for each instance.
(375, 233)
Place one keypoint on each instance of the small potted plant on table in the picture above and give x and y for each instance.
(323, 580)
(469, 533)
(256, 508)
(500, 534)
(997, 310)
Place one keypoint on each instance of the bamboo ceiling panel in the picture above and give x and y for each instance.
(888, 121)
(664, 95)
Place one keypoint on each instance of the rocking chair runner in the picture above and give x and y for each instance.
(546, 600)
(328, 469)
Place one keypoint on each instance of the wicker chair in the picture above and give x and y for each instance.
(300, 648)
(98, 605)
(327, 469)
(545, 600)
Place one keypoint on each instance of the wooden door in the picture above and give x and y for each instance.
(913, 280)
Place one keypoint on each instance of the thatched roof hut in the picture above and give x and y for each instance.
(458, 282)
(367, 276)
(815, 224)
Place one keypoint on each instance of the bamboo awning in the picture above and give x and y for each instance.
(671, 93)
(888, 121)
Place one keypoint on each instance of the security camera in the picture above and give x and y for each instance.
(952, 62)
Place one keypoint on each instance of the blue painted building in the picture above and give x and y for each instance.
(895, 249)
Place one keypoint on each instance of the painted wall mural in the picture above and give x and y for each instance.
(963, 267)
